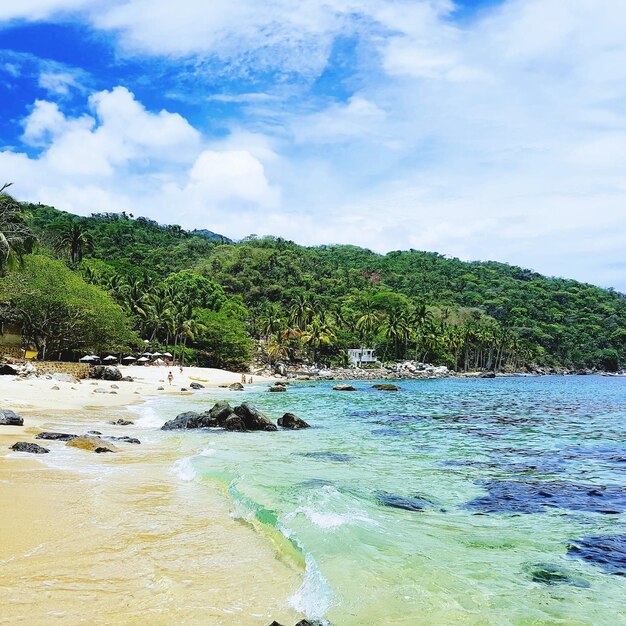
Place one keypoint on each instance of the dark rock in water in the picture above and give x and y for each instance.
(8, 370)
(293, 422)
(387, 432)
(306, 622)
(91, 444)
(190, 419)
(121, 422)
(537, 496)
(277, 388)
(125, 439)
(338, 457)
(408, 503)
(221, 411)
(106, 372)
(235, 423)
(94, 432)
(183, 388)
(254, 419)
(196, 386)
(236, 387)
(344, 388)
(33, 448)
(55, 436)
(487, 375)
(10, 418)
(548, 574)
(386, 387)
(605, 551)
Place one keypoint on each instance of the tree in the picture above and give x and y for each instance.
(73, 239)
(16, 237)
(58, 311)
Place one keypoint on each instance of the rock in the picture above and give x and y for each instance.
(410, 503)
(160, 388)
(487, 375)
(94, 432)
(115, 387)
(8, 370)
(183, 388)
(64, 378)
(221, 411)
(121, 422)
(344, 388)
(191, 419)
(100, 390)
(276, 388)
(253, 418)
(386, 387)
(10, 418)
(235, 423)
(55, 436)
(125, 439)
(292, 422)
(196, 386)
(55, 388)
(127, 379)
(236, 387)
(106, 372)
(91, 444)
(33, 448)
(113, 392)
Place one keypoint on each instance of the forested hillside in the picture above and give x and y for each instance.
(220, 302)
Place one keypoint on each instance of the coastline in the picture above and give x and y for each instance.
(115, 538)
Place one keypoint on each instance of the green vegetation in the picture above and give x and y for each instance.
(217, 302)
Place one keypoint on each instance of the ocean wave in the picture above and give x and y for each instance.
(148, 417)
(184, 469)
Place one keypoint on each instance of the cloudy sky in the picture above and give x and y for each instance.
(483, 129)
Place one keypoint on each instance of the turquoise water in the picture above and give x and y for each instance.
(496, 480)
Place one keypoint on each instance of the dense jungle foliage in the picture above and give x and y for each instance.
(216, 302)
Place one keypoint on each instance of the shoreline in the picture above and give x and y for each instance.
(121, 538)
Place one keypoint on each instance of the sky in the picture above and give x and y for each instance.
(480, 129)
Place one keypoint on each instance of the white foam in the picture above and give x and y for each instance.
(314, 597)
(184, 469)
(208, 452)
(148, 417)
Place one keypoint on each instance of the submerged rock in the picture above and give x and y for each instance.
(344, 388)
(10, 418)
(277, 388)
(605, 551)
(548, 574)
(196, 386)
(292, 422)
(386, 387)
(91, 444)
(121, 422)
(337, 457)
(55, 436)
(125, 439)
(33, 448)
(408, 503)
(526, 496)
(254, 419)
(236, 387)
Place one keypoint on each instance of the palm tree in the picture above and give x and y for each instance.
(319, 332)
(301, 311)
(74, 240)
(16, 238)
(396, 329)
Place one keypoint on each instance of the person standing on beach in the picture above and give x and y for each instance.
(243, 379)
(170, 377)
(249, 380)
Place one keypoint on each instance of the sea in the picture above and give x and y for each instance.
(451, 501)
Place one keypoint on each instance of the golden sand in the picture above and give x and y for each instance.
(120, 539)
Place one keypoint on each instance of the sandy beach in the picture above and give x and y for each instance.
(120, 538)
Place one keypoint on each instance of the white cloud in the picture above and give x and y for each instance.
(58, 83)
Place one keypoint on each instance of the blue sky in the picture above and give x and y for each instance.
(479, 129)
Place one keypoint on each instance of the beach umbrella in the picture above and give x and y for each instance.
(110, 358)
(147, 354)
(142, 360)
(167, 354)
(128, 358)
(159, 361)
(156, 354)
(86, 359)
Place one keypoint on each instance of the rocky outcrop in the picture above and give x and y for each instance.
(236, 387)
(344, 388)
(8, 370)
(92, 444)
(235, 423)
(50, 436)
(10, 418)
(386, 387)
(292, 422)
(33, 448)
(487, 375)
(106, 372)
(277, 388)
(221, 411)
(121, 422)
(302, 622)
(254, 419)
(196, 386)
(125, 439)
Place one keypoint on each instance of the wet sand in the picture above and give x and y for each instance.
(121, 539)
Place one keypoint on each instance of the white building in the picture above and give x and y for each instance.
(358, 356)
